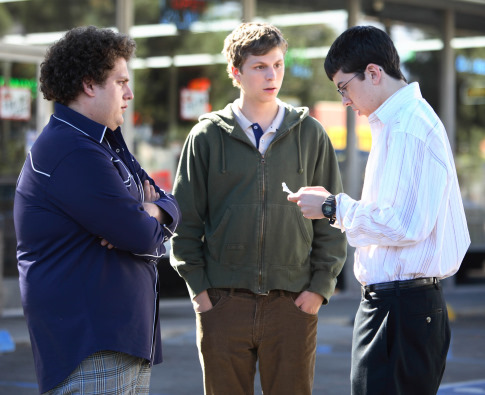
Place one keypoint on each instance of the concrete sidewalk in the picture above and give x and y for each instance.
(180, 373)
(177, 317)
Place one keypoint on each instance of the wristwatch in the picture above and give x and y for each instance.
(329, 208)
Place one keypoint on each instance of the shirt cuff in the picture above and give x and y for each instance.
(342, 202)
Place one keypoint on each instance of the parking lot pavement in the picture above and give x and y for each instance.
(180, 373)
(467, 387)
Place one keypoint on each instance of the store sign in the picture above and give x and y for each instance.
(15, 103)
(193, 103)
(333, 117)
(182, 13)
(473, 92)
(464, 64)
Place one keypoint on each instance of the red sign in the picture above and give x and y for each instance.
(15, 103)
(163, 179)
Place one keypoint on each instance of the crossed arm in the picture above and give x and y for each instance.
(151, 208)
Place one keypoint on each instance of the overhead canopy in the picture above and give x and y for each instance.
(469, 14)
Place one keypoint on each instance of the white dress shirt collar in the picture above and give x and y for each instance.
(388, 109)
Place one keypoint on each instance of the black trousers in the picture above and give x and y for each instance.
(400, 342)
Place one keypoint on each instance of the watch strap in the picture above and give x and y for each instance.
(330, 202)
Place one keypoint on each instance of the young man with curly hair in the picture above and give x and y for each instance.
(257, 272)
(90, 227)
(408, 227)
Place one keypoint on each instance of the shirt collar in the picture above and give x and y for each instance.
(246, 123)
(388, 109)
(80, 122)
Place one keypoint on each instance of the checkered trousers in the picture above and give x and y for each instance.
(107, 373)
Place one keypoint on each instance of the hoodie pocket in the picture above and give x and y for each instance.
(288, 236)
(235, 239)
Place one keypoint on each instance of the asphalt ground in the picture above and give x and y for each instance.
(180, 372)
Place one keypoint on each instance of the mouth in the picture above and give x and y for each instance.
(270, 90)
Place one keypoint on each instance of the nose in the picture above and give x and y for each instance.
(271, 75)
(346, 101)
(128, 95)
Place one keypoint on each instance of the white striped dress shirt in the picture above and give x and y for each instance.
(410, 221)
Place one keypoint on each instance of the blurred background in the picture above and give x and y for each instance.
(179, 74)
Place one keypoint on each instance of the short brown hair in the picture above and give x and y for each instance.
(251, 38)
(84, 53)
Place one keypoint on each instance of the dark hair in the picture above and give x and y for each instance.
(251, 38)
(358, 46)
(84, 53)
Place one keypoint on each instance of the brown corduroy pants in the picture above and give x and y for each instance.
(243, 329)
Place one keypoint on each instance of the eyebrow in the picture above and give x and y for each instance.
(258, 61)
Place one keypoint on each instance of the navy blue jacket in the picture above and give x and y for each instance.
(80, 184)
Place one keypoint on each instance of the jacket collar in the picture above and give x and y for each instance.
(79, 122)
(226, 120)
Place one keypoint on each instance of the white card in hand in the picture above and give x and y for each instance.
(285, 187)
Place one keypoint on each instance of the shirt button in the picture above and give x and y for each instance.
(117, 150)
(428, 319)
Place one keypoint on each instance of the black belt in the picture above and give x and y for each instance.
(239, 290)
(404, 284)
(247, 291)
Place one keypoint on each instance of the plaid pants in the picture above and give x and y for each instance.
(107, 373)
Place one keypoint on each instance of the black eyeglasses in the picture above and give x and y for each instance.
(341, 90)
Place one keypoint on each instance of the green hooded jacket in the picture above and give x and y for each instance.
(238, 229)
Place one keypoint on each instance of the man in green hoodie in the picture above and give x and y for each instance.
(256, 270)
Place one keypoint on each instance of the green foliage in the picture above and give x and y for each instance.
(313, 85)
(147, 12)
(5, 20)
(305, 78)
(59, 15)
(156, 90)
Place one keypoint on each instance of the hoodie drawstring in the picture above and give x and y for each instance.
(223, 167)
(300, 168)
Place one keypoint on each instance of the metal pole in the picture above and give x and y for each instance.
(173, 102)
(351, 177)
(448, 78)
(44, 108)
(2, 258)
(448, 93)
(249, 10)
(6, 123)
(124, 22)
(352, 184)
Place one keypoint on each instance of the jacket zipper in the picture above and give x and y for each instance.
(261, 238)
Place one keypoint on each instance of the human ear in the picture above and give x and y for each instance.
(88, 87)
(236, 73)
(375, 72)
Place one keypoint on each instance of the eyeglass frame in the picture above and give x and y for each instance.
(341, 90)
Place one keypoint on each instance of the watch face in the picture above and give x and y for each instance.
(327, 210)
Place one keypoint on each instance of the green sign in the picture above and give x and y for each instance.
(21, 83)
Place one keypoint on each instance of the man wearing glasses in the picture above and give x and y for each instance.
(409, 226)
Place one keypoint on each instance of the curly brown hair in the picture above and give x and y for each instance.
(84, 53)
(251, 38)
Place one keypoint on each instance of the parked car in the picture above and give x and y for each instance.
(171, 284)
(473, 267)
